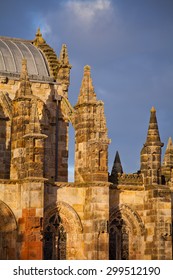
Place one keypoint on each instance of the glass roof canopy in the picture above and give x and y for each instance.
(11, 53)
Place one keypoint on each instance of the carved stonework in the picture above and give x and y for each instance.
(54, 239)
(130, 179)
(70, 218)
(131, 217)
(6, 103)
(7, 219)
(124, 226)
(67, 110)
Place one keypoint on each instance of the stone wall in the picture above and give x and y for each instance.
(24, 199)
(146, 212)
(88, 229)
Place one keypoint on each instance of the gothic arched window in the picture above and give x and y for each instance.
(118, 240)
(54, 239)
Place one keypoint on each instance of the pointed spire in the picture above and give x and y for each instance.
(25, 86)
(64, 60)
(87, 92)
(38, 38)
(117, 168)
(153, 131)
(168, 158)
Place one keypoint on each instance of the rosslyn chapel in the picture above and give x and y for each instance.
(100, 215)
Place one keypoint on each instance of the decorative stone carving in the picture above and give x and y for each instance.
(130, 216)
(7, 219)
(70, 218)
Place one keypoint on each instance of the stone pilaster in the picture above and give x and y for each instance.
(95, 222)
(157, 218)
(30, 224)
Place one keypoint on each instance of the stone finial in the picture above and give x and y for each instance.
(25, 86)
(87, 93)
(38, 38)
(153, 131)
(64, 67)
(153, 110)
(24, 71)
(63, 58)
(87, 68)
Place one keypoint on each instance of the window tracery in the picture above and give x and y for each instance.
(55, 239)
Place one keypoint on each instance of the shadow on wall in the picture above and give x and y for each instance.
(8, 233)
(5, 142)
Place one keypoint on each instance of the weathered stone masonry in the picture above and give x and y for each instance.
(99, 216)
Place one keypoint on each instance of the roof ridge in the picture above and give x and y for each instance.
(15, 39)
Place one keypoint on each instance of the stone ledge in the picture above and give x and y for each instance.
(79, 185)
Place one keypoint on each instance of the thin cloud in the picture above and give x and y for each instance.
(45, 29)
(88, 11)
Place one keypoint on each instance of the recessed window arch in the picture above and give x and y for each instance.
(55, 239)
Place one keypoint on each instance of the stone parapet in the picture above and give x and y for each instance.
(130, 179)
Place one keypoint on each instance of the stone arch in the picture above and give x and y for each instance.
(8, 232)
(126, 231)
(7, 219)
(70, 218)
(62, 232)
(130, 216)
(6, 104)
(67, 110)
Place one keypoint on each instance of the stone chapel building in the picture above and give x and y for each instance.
(99, 216)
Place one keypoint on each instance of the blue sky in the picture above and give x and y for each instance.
(129, 46)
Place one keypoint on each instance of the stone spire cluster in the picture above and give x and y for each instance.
(91, 148)
(27, 145)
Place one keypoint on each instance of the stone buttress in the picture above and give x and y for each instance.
(27, 160)
(91, 168)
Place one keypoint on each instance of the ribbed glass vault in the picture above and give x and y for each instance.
(13, 50)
